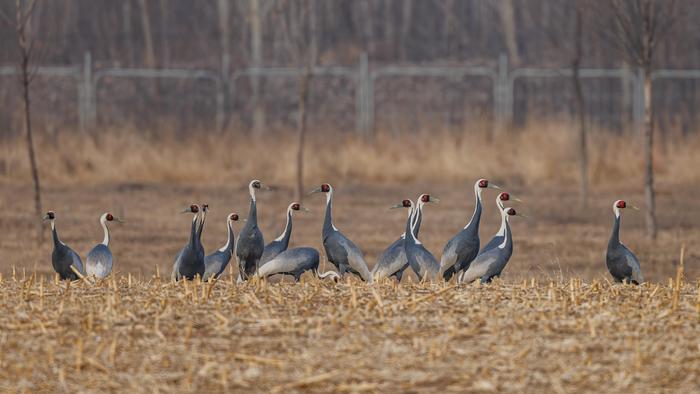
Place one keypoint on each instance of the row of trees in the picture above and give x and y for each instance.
(230, 34)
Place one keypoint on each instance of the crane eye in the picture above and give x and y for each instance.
(110, 217)
(425, 198)
(325, 188)
(51, 215)
(483, 183)
(233, 216)
(256, 185)
(296, 207)
(511, 212)
(621, 204)
(406, 203)
(194, 208)
(505, 196)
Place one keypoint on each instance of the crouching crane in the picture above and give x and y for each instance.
(295, 262)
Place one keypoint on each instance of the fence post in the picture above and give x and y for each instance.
(86, 108)
(503, 110)
(638, 99)
(362, 120)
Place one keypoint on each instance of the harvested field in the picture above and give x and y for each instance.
(138, 335)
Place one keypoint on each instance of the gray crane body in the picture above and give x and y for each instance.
(215, 264)
(279, 244)
(295, 262)
(340, 251)
(63, 257)
(622, 264)
(463, 247)
(251, 243)
(190, 261)
(491, 262)
(500, 235)
(419, 258)
(393, 261)
(99, 260)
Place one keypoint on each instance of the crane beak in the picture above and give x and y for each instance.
(493, 186)
(516, 199)
(396, 206)
(521, 215)
(633, 207)
(45, 219)
(316, 190)
(305, 209)
(434, 199)
(186, 211)
(119, 220)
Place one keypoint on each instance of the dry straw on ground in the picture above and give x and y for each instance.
(138, 335)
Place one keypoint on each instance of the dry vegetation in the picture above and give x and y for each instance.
(553, 324)
(144, 334)
(544, 152)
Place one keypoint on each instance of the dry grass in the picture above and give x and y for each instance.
(542, 153)
(144, 334)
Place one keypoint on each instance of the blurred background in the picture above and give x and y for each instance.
(180, 100)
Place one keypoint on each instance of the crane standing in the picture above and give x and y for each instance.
(621, 262)
(99, 259)
(216, 263)
(63, 257)
(464, 246)
(341, 251)
(190, 261)
(251, 243)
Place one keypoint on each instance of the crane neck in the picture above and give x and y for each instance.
(507, 235)
(410, 227)
(328, 226)
(476, 216)
(504, 220)
(229, 238)
(287, 233)
(201, 225)
(193, 230)
(410, 216)
(54, 233)
(615, 236)
(253, 211)
(418, 218)
(103, 222)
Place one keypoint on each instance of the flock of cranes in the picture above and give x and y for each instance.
(462, 256)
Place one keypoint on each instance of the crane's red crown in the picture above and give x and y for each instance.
(256, 184)
(233, 216)
(406, 203)
(109, 217)
(51, 215)
(483, 183)
(425, 197)
(296, 206)
(504, 196)
(511, 212)
(325, 188)
(194, 208)
(621, 204)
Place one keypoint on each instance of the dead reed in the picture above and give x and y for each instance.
(145, 334)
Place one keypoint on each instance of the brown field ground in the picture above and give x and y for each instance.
(552, 324)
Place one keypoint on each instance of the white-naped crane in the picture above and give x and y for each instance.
(216, 263)
(99, 260)
(250, 243)
(463, 247)
(63, 257)
(295, 262)
(490, 263)
(622, 264)
(190, 261)
(340, 250)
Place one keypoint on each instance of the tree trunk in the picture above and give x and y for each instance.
(301, 130)
(506, 12)
(581, 109)
(149, 55)
(256, 44)
(26, 79)
(649, 194)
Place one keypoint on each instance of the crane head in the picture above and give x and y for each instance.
(256, 184)
(324, 188)
(233, 217)
(295, 206)
(513, 212)
(111, 218)
(622, 204)
(427, 198)
(404, 204)
(50, 215)
(194, 208)
(485, 184)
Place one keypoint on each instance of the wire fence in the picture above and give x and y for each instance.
(361, 99)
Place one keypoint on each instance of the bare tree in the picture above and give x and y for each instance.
(303, 45)
(639, 27)
(581, 104)
(21, 23)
